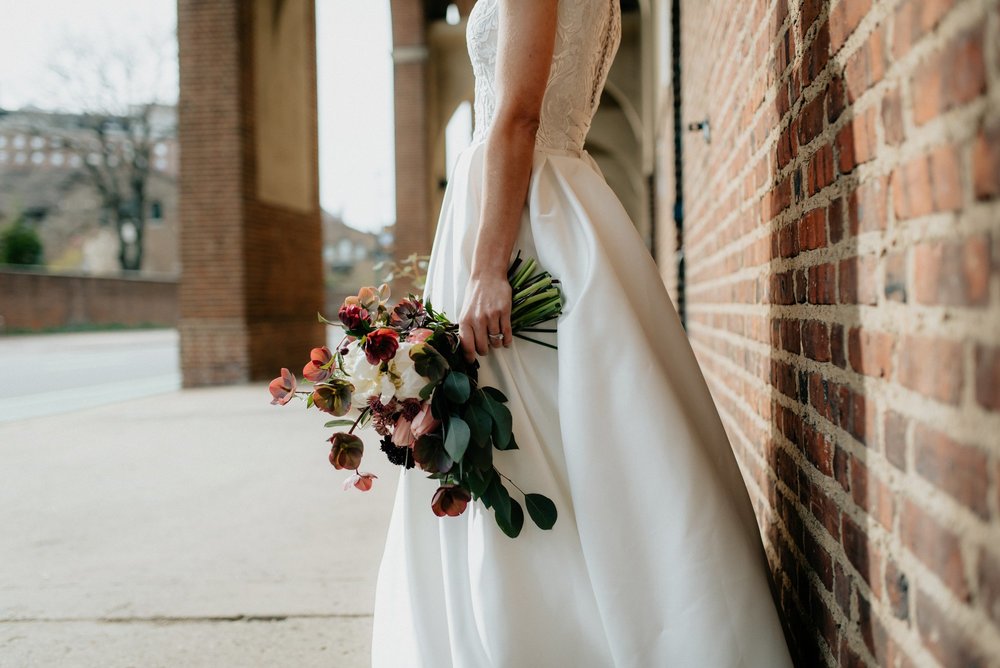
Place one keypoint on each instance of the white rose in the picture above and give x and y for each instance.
(408, 381)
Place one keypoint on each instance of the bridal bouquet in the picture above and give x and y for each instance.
(402, 370)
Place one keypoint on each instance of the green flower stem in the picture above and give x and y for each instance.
(541, 343)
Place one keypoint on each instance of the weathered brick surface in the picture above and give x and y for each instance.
(843, 294)
(33, 301)
(252, 276)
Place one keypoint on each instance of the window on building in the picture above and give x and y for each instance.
(3, 141)
(19, 141)
(57, 159)
(37, 142)
(3, 156)
(156, 211)
(37, 157)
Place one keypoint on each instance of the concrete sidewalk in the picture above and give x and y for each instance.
(196, 528)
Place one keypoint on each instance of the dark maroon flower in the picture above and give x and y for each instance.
(408, 313)
(353, 316)
(381, 345)
(346, 451)
(450, 500)
(333, 397)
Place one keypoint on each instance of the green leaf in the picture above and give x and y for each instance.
(512, 527)
(478, 482)
(456, 386)
(339, 423)
(494, 393)
(456, 440)
(479, 424)
(497, 497)
(428, 362)
(309, 400)
(542, 510)
(502, 423)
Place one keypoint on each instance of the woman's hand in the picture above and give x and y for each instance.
(486, 312)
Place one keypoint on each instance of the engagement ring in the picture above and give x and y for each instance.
(496, 336)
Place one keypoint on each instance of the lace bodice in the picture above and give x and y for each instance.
(587, 38)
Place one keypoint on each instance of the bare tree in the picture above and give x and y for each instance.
(117, 127)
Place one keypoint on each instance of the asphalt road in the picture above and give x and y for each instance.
(48, 374)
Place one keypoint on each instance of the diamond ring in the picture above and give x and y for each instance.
(495, 336)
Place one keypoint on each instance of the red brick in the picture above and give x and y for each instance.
(816, 55)
(866, 207)
(927, 183)
(816, 340)
(835, 98)
(790, 335)
(821, 169)
(933, 367)
(915, 18)
(844, 18)
(895, 428)
(837, 355)
(871, 494)
(986, 162)
(960, 470)
(934, 545)
(811, 120)
(870, 352)
(857, 280)
(951, 77)
(856, 141)
(861, 552)
(892, 118)
(866, 66)
(944, 636)
(808, 12)
(953, 273)
(988, 576)
(822, 285)
(988, 377)
(819, 451)
(897, 590)
(812, 230)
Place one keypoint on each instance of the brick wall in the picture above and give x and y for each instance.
(34, 301)
(843, 295)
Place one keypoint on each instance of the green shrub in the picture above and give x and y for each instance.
(19, 244)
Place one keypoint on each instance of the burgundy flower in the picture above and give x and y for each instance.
(313, 371)
(402, 434)
(353, 316)
(381, 345)
(283, 387)
(424, 422)
(346, 451)
(408, 313)
(450, 500)
(359, 480)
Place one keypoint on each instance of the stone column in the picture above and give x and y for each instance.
(251, 280)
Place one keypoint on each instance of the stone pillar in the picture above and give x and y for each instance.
(251, 280)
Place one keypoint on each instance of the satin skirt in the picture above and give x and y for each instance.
(656, 558)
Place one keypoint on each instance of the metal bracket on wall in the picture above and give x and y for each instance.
(702, 126)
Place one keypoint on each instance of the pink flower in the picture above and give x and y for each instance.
(313, 371)
(424, 422)
(283, 387)
(358, 480)
(419, 335)
(450, 500)
(353, 316)
(402, 433)
(381, 345)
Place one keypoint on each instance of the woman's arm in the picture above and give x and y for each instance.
(527, 31)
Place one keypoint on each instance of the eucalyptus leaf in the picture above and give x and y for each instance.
(339, 423)
(494, 393)
(479, 422)
(456, 440)
(512, 527)
(502, 423)
(498, 498)
(541, 509)
(457, 387)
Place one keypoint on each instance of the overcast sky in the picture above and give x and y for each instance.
(355, 80)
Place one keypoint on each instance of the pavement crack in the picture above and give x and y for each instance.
(181, 619)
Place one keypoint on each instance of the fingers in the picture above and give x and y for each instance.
(505, 329)
(467, 336)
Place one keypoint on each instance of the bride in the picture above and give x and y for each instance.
(656, 558)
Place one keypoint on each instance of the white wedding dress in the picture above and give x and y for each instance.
(655, 559)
